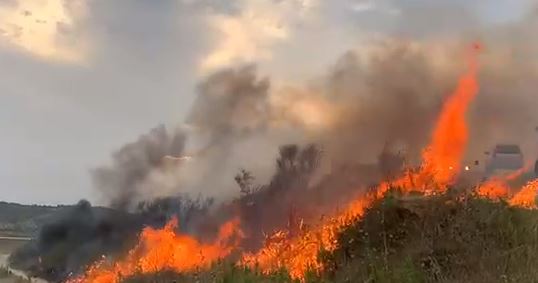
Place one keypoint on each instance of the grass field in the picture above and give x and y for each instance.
(8, 244)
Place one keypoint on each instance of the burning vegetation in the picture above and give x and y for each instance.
(410, 223)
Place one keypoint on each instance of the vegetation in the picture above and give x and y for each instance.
(22, 220)
(446, 238)
(79, 235)
(19, 220)
(438, 239)
(221, 272)
(4, 272)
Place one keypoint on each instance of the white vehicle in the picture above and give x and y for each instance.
(505, 159)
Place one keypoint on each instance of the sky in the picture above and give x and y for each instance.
(80, 78)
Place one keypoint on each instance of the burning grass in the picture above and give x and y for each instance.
(442, 238)
(164, 249)
(441, 162)
(299, 254)
(382, 236)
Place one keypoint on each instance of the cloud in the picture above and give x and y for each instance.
(250, 34)
(44, 28)
(372, 6)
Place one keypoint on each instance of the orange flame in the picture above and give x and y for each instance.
(526, 197)
(497, 187)
(494, 189)
(164, 249)
(441, 163)
(442, 159)
(300, 254)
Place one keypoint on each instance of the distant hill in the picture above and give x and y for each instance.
(25, 220)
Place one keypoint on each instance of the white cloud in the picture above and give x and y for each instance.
(372, 5)
(252, 33)
(44, 28)
(363, 6)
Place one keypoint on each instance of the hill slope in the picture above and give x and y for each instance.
(23, 220)
(435, 239)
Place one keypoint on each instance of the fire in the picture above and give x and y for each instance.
(165, 249)
(526, 197)
(493, 189)
(497, 187)
(451, 133)
(446, 150)
(300, 254)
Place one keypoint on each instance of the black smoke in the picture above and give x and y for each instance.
(81, 235)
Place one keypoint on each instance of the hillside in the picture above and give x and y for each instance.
(25, 220)
(436, 239)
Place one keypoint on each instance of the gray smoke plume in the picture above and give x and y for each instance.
(505, 111)
(395, 98)
(123, 181)
(383, 95)
(386, 94)
(231, 108)
(230, 103)
(391, 97)
(77, 236)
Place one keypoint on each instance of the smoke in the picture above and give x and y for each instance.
(225, 131)
(505, 112)
(383, 94)
(78, 236)
(387, 98)
(230, 104)
(123, 181)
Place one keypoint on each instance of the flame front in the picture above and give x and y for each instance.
(498, 189)
(526, 197)
(165, 249)
(442, 159)
(440, 166)
(493, 189)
